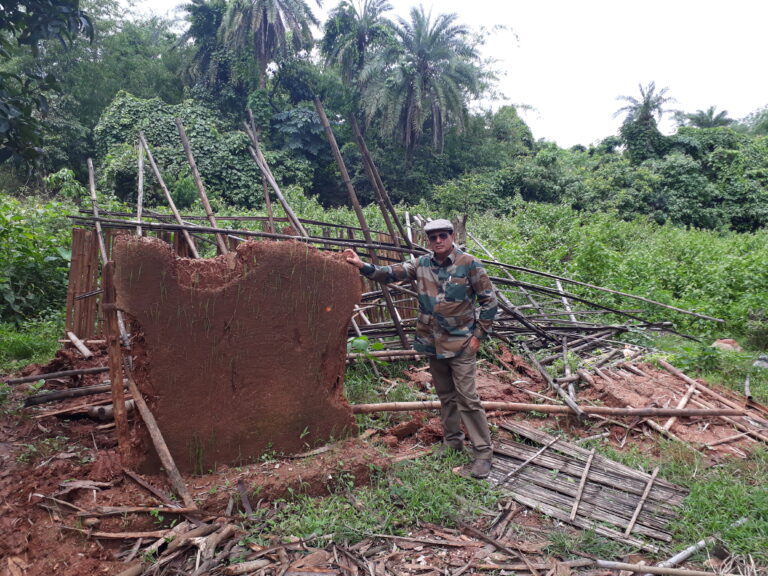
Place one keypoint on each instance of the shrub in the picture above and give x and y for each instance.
(34, 259)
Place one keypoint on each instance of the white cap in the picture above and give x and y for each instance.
(440, 224)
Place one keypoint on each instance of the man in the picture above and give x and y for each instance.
(448, 331)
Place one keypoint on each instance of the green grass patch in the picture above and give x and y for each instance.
(33, 341)
(570, 544)
(424, 490)
(719, 496)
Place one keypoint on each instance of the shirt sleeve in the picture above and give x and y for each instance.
(486, 299)
(387, 274)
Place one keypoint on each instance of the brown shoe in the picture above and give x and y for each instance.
(481, 468)
(447, 450)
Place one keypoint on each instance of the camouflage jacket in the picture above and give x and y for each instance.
(447, 295)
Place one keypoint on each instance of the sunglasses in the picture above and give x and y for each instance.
(441, 235)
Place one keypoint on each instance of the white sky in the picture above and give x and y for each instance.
(571, 59)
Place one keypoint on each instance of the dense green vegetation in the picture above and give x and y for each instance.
(412, 83)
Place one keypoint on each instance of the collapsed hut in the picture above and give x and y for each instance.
(257, 331)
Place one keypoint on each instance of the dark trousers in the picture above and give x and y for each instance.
(454, 382)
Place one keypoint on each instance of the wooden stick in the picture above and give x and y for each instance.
(500, 546)
(680, 405)
(547, 408)
(117, 510)
(554, 385)
(109, 313)
(582, 483)
(160, 445)
(95, 207)
(167, 193)
(80, 345)
(654, 569)
(519, 467)
(152, 489)
(68, 393)
(220, 241)
(261, 162)
(609, 291)
(61, 374)
(359, 212)
(641, 503)
(140, 188)
(120, 535)
(728, 439)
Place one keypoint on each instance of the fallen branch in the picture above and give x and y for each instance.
(548, 409)
(52, 375)
(654, 569)
(68, 393)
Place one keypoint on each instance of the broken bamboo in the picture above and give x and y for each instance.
(167, 193)
(60, 374)
(109, 313)
(220, 241)
(582, 483)
(80, 345)
(159, 442)
(547, 409)
(641, 503)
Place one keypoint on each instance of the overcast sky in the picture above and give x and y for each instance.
(571, 59)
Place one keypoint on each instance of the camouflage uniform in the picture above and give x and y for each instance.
(447, 320)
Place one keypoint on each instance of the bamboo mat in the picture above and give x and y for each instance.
(554, 477)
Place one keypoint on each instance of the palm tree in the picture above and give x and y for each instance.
(427, 75)
(639, 131)
(204, 18)
(268, 27)
(351, 31)
(708, 118)
(650, 106)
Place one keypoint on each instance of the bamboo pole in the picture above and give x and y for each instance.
(95, 207)
(46, 397)
(109, 312)
(641, 503)
(60, 374)
(554, 385)
(264, 186)
(359, 212)
(220, 242)
(378, 185)
(527, 294)
(257, 155)
(160, 446)
(683, 402)
(79, 344)
(654, 569)
(168, 197)
(140, 187)
(582, 484)
(208, 229)
(688, 552)
(548, 409)
(608, 290)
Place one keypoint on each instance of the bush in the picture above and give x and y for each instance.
(35, 257)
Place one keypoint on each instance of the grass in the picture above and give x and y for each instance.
(424, 490)
(34, 341)
(719, 496)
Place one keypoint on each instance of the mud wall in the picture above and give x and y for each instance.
(241, 354)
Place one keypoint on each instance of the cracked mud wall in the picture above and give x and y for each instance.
(241, 354)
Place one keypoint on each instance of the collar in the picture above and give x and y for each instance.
(450, 259)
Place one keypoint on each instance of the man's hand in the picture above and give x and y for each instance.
(353, 258)
(474, 344)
